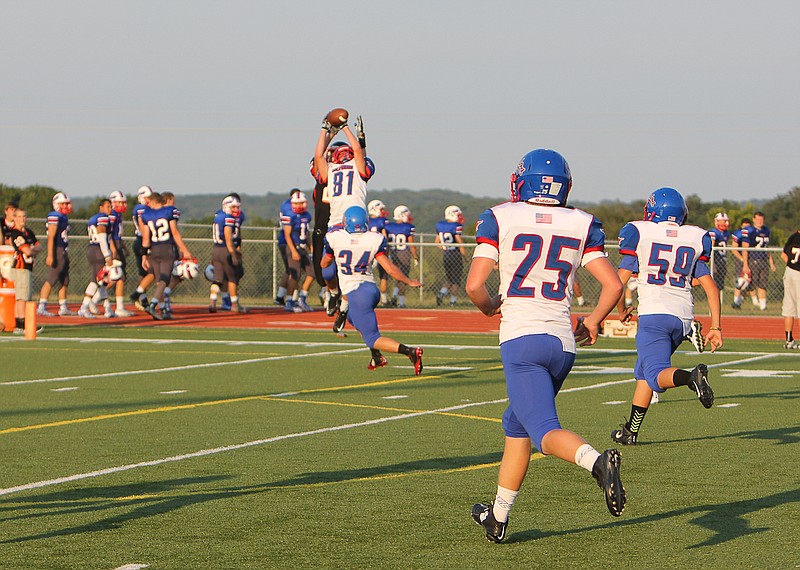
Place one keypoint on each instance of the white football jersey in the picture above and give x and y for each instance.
(665, 255)
(345, 188)
(354, 255)
(538, 249)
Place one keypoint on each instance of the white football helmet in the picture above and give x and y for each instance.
(230, 204)
(453, 214)
(403, 215)
(377, 209)
(299, 202)
(62, 203)
(143, 194)
(186, 269)
(209, 273)
(118, 201)
(110, 274)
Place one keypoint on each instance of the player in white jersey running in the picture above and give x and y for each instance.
(353, 247)
(537, 243)
(667, 256)
(345, 170)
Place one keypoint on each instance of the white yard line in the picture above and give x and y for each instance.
(213, 451)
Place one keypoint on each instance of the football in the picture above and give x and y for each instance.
(337, 117)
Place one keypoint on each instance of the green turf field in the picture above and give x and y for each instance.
(178, 448)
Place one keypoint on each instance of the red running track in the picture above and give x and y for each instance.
(401, 320)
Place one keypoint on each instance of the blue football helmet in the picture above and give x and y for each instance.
(666, 205)
(355, 220)
(542, 177)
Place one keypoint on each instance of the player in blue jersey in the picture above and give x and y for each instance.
(378, 216)
(720, 238)
(448, 234)
(99, 255)
(285, 216)
(761, 262)
(742, 240)
(119, 205)
(160, 236)
(57, 257)
(536, 244)
(226, 255)
(139, 296)
(667, 255)
(354, 248)
(400, 236)
(298, 233)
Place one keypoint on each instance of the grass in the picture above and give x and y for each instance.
(280, 450)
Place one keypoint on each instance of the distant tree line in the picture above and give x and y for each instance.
(427, 206)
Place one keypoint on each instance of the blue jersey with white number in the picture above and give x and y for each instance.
(447, 232)
(97, 224)
(61, 222)
(761, 239)
(286, 214)
(300, 229)
(538, 249)
(666, 257)
(222, 221)
(157, 220)
(354, 255)
(377, 224)
(398, 234)
(719, 238)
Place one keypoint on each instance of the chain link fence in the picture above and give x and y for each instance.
(264, 268)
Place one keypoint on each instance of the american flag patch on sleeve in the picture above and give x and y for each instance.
(544, 218)
(672, 233)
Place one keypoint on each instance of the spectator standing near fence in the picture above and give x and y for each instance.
(791, 288)
(26, 246)
(7, 223)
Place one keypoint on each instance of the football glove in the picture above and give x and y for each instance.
(326, 126)
(362, 138)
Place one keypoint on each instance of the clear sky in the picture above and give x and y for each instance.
(195, 96)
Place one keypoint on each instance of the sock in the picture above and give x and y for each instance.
(681, 377)
(581, 301)
(120, 302)
(384, 298)
(281, 292)
(443, 291)
(737, 299)
(403, 349)
(42, 303)
(334, 291)
(636, 419)
(762, 304)
(628, 302)
(503, 502)
(453, 299)
(296, 295)
(20, 323)
(755, 301)
(395, 292)
(401, 300)
(304, 294)
(344, 306)
(376, 354)
(85, 303)
(234, 300)
(62, 303)
(789, 337)
(586, 456)
(721, 296)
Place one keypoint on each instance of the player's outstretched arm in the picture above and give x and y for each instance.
(395, 272)
(714, 335)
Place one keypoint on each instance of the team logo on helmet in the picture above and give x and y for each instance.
(542, 177)
(230, 205)
(665, 205)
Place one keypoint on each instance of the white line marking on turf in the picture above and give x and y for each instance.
(169, 392)
(728, 405)
(398, 397)
(179, 368)
(740, 373)
(65, 389)
(132, 567)
(205, 452)
(614, 402)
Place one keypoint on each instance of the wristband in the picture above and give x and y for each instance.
(145, 251)
(362, 141)
(716, 329)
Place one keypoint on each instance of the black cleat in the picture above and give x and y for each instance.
(341, 319)
(737, 306)
(699, 383)
(416, 359)
(333, 304)
(280, 301)
(606, 471)
(624, 436)
(483, 515)
(153, 312)
(378, 362)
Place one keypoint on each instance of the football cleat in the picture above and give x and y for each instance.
(226, 304)
(699, 383)
(341, 319)
(791, 345)
(212, 308)
(124, 313)
(83, 313)
(737, 306)
(141, 304)
(153, 312)
(43, 312)
(93, 308)
(696, 336)
(279, 301)
(380, 362)
(166, 314)
(439, 298)
(303, 304)
(624, 436)
(110, 314)
(333, 304)
(416, 359)
(64, 311)
(237, 308)
(606, 471)
(484, 516)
